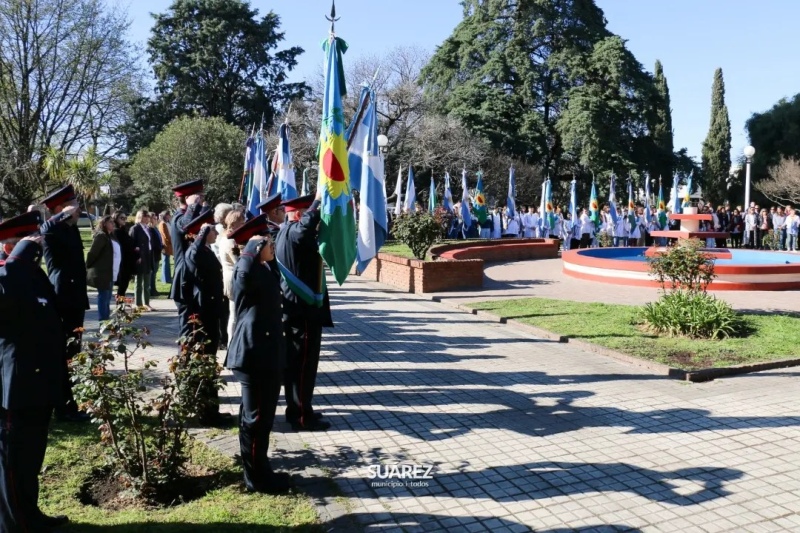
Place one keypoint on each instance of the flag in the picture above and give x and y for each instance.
(447, 201)
(432, 197)
(259, 186)
(548, 205)
(337, 229)
(411, 193)
(647, 216)
(511, 205)
(594, 207)
(465, 215)
(612, 199)
(373, 226)
(662, 207)
(356, 135)
(631, 206)
(687, 194)
(676, 206)
(249, 164)
(304, 190)
(573, 202)
(286, 184)
(480, 200)
(398, 191)
(543, 210)
(272, 176)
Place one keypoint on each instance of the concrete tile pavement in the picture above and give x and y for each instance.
(525, 434)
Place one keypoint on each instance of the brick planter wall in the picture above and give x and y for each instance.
(499, 250)
(413, 275)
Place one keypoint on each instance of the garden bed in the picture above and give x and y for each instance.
(771, 338)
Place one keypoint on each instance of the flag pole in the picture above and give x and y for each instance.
(332, 18)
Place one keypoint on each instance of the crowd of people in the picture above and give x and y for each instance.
(746, 229)
(256, 283)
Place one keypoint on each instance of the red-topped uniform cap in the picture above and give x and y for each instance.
(189, 188)
(270, 203)
(60, 196)
(304, 202)
(197, 222)
(255, 226)
(20, 226)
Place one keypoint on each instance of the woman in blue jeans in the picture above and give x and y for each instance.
(102, 265)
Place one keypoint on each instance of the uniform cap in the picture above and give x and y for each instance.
(255, 226)
(20, 226)
(271, 203)
(194, 225)
(59, 196)
(189, 188)
(304, 202)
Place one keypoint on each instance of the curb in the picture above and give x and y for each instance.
(694, 376)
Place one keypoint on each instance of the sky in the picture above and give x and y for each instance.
(754, 44)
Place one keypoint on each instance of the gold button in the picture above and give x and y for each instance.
(284, 333)
(268, 334)
(37, 370)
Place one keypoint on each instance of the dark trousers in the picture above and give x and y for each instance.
(122, 284)
(71, 320)
(260, 393)
(23, 441)
(736, 240)
(303, 341)
(225, 314)
(586, 240)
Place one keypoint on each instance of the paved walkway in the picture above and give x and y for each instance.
(544, 279)
(526, 434)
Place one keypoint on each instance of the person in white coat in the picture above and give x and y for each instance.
(634, 232)
(587, 229)
(620, 231)
(497, 223)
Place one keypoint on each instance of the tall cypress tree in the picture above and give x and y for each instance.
(661, 128)
(717, 146)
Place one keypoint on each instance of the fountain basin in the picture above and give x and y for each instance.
(745, 270)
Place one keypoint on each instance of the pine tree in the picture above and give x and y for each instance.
(661, 128)
(716, 162)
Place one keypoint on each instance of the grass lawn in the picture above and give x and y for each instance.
(616, 327)
(73, 452)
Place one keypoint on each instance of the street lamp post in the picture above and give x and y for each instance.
(749, 152)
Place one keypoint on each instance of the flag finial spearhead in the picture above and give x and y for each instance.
(332, 18)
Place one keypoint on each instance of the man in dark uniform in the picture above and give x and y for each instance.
(190, 202)
(31, 374)
(274, 209)
(306, 309)
(63, 253)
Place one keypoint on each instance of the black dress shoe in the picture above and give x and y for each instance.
(218, 420)
(296, 420)
(278, 483)
(311, 425)
(73, 417)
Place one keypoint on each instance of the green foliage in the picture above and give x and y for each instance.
(661, 127)
(605, 240)
(418, 231)
(683, 266)
(216, 58)
(717, 146)
(190, 148)
(775, 135)
(770, 241)
(692, 314)
(143, 431)
(444, 218)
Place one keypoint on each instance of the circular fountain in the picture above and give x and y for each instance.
(736, 270)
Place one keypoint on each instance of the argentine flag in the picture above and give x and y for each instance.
(366, 162)
(447, 202)
(259, 175)
(411, 193)
(287, 185)
(465, 213)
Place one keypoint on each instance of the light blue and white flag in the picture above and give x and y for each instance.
(676, 202)
(304, 191)
(411, 193)
(372, 223)
(447, 202)
(398, 191)
(356, 135)
(260, 170)
(284, 171)
(511, 205)
(612, 199)
(647, 207)
(465, 212)
(544, 228)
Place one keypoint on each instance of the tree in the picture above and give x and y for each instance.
(783, 185)
(716, 160)
(776, 135)
(67, 74)
(661, 128)
(190, 148)
(216, 58)
(80, 172)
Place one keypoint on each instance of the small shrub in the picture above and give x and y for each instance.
(605, 240)
(692, 314)
(444, 218)
(143, 428)
(683, 266)
(418, 231)
(770, 241)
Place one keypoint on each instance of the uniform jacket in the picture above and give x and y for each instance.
(100, 262)
(258, 343)
(31, 338)
(63, 253)
(166, 237)
(296, 248)
(181, 291)
(205, 271)
(141, 240)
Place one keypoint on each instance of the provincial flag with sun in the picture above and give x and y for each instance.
(337, 230)
(480, 201)
(594, 207)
